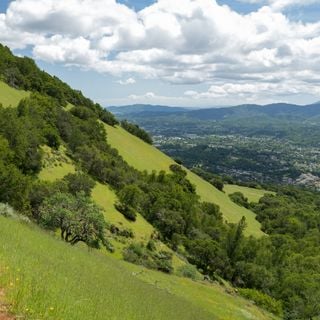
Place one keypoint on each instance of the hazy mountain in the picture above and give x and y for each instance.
(142, 108)
(276, 110)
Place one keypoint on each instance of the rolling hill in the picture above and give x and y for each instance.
(143, 156)
(275, 110)
(43, 277)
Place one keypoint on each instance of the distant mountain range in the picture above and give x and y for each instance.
(142, 108)
(276, 110)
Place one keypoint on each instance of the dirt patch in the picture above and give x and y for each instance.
(4, 315)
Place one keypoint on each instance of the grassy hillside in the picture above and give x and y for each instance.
(146, 157)
(57, 165)
(253, 195)
(9, 96)
(45, 278)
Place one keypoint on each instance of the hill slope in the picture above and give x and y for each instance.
(146, 157)
(9, 96)
(74, 283)
(253, 195)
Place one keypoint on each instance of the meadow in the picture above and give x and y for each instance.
(9, 96)
(253, 195)
(44, 278)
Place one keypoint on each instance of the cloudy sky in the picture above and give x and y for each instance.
(173, 52)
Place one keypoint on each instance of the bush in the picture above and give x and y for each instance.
(240, 199)
(127, 211)
(218, 183)
(79, 182)
(126, 233)
(163, 261)
(6, 210)
(137, 253)
(151, 245)
(137, 131)
(187, 271)
(263, 300)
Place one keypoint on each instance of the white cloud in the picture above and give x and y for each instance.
(282, 4)
(244, 92)
(148, 95)
(127, 81)
(153, 98)
(183, 42)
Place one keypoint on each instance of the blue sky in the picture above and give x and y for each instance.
(257, 51)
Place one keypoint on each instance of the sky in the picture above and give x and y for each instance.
(200, 53)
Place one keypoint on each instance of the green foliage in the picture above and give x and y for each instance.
(24, 74)
(239, 198)
(14, 186)
(6, 210)
(188, 271)
(79, 182)
(145, 157)
(136, 131)
(208, 256)
(127, 233)
(127, 211)
(137, 253)
(78, 219)
(263, 301)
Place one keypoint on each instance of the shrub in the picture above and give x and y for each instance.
(151, 245)
(127, 211)
(163, 261)
(79, 182)
(218, 183)
(263, 300)
(187, 271)
(240, 199)
(137, 253)
(127, 233)
(6, 210)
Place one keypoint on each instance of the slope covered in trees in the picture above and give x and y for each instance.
(145, 157)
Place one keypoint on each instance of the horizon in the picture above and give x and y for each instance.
(211, 107)
(121, 52)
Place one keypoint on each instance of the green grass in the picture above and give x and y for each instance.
(146, 157)
(253, 195)
(48, 279)
(44, 278)
(56, 164)
(10, 96)
(106, 198)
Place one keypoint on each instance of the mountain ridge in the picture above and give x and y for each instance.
(218, 113)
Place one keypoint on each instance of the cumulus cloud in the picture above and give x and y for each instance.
(183, 42)
(152, 98)
(281, 4)
(127, 81)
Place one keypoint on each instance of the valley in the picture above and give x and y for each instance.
(273, 144)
